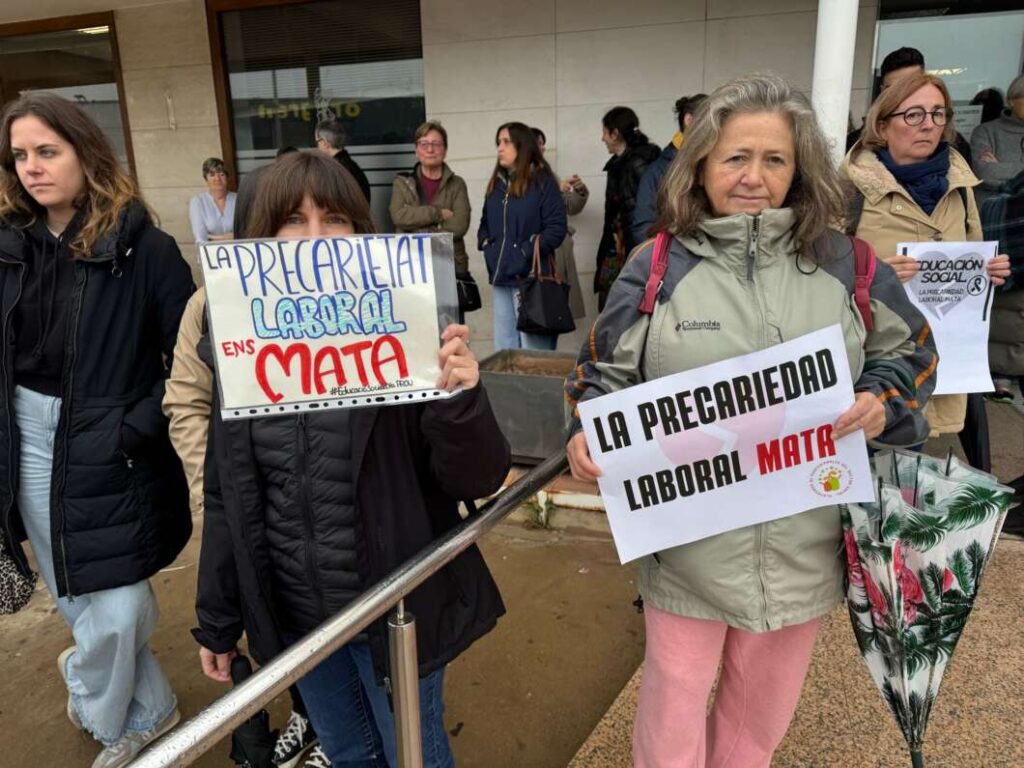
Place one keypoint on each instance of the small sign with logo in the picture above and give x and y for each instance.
(953, 291)
(731, 444)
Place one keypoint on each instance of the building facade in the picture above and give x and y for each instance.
(176, 82)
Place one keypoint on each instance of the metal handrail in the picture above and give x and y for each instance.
(186, 743)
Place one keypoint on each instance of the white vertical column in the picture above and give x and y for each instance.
(834, 45)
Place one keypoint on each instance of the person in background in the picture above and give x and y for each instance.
(992, 105)
(897, 64)
(91, 293)
(522, 205)
(915, 187)
(754, 177)
(631, 153)
(377, 485)
(330, 139)
(212, 211)
(575, 195)
(430, 197)
(646, 212)
(998, 146)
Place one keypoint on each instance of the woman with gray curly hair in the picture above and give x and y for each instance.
(748, 204)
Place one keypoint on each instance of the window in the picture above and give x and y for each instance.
(970, 52)
(74, 58)
(288, 66)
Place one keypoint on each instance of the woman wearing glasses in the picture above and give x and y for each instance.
(430, 198)
(911, 185)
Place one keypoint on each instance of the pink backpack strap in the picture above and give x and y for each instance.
(864, 263)
(659, 266)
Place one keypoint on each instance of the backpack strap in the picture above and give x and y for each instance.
(659, 266)
(864, 264)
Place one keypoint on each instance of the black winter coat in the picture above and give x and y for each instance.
(624, 173)
(411, 464)
(118, 500)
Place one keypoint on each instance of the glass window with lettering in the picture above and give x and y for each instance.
(77, 64)
(290, 66)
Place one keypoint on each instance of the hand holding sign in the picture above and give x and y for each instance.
(867, 414)
(999, 269)
(459, 366)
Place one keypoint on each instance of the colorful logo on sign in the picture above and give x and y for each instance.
(830, 478)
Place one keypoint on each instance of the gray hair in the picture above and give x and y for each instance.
(815, 195)
(333, 132)
(1016, 89)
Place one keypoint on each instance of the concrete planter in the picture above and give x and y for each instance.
(525, 389)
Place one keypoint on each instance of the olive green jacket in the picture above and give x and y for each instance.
(409, 212)
(740, 279)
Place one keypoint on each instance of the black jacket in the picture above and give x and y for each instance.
(350, 165)
(411, 463)
(624, 174)
(118, 503)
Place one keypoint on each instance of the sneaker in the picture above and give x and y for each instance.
(294, 741)
(316, 758)
(62, 665)
(127, 748)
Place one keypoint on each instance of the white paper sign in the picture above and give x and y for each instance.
(954, 293)
(322, 323)
(728, 445)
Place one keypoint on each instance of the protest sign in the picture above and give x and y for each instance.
(731, 444)
(326, 323)
(953, 292)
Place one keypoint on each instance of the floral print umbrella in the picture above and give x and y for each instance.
(915, 559)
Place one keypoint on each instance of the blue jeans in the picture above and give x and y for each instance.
(353, 717)
(506, 308)
(115, 681)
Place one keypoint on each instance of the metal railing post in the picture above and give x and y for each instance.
(184, 745)
(405, 687)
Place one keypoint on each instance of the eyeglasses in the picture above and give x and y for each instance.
(915, 115)
(424, 144)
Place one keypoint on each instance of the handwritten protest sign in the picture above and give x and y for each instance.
(728, 445)
(324, 323)
(954, 293)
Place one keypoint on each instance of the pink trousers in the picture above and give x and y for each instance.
(762, 674)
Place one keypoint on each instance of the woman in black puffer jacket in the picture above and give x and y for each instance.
(91, 293)
(304, 513)
(631, 153)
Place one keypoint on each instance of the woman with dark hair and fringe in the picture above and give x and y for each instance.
(304, 513)
(212, 212)
(522, 205)
(631, 152)
(91, 293)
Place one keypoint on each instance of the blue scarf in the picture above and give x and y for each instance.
(927, 181)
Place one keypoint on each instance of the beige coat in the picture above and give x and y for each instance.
(188, 399)
(410, 214)
(891, 216)
(565, 257)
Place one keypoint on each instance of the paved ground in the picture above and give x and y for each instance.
(842, 722)
(528, 694)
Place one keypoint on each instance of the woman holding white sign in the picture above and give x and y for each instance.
(911, 186)
(303, 513)
(750, 263)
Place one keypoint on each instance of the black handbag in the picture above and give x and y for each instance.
(469, 292)
(544, 300)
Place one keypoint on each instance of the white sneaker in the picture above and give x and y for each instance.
(317, 759)
(127, 748)
(62, 665)
(293, 741)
